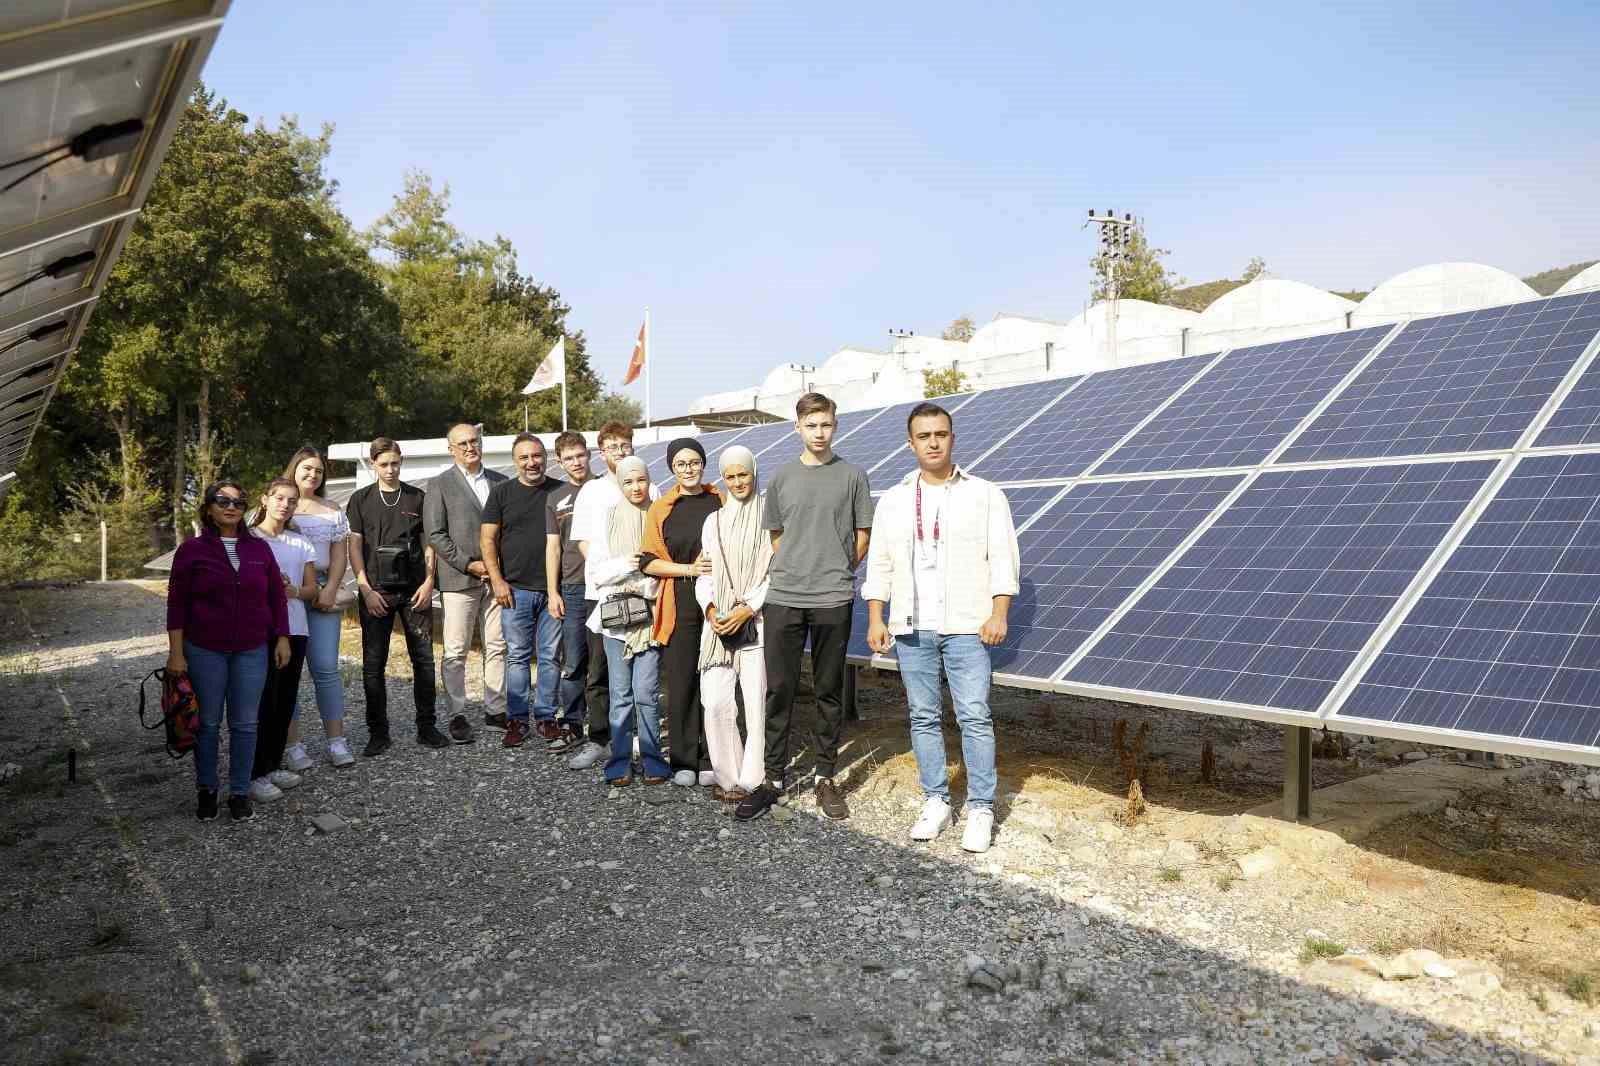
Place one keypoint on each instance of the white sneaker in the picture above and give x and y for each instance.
(339, 753)
(284, 779)
(708, 778)
(587, 756)
(979, 830)
(684, 778)
(264, 791)
(296, 759)
(934, 819)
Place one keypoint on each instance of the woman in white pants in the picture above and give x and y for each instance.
(731, 595)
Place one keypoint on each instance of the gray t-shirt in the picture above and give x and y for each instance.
(819, 509)
(558, 519)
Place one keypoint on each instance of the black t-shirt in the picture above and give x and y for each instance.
(518, 510)
(682, 529)
(383, 518)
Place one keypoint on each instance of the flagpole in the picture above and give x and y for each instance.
(563, 398)
(524, 416)
(649, 358)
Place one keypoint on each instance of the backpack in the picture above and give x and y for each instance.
(180, 710)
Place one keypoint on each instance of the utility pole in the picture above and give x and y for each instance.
(1116, 240)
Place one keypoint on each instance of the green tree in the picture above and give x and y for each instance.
(1254, 269)
(961, 329)
(1139, 272)
(946, 382)
(613, 405)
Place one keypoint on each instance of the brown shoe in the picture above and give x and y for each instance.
(461, 729)
(657, 780)
(548, 731)
(516, 733)
(830, 800)
(496, 721)
(728, 795)
(619, 782)
(567, 739)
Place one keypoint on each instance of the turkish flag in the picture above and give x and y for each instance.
(636, 361)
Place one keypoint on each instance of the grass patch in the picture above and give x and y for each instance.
(1580, 986)
(1170, 875)
(38, 781)
(1384, 948)
(21, 667)
(1225, 881)
(1540, 1000)
(1317, 948)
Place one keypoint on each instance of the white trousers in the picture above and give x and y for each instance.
(736, 765)
(464, 613)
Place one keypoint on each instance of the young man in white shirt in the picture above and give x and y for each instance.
(941, 573)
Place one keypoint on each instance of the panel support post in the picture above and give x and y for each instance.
(1296, 772)
(852, 674)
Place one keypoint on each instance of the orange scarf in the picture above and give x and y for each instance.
(655, 543)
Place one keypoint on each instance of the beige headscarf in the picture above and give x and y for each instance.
(624, 534)
(744, 552)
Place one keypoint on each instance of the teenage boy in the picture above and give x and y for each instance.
(944, 560)
(512, 546)
(394, 568)
(453, 516)
(563, 569)
(819, 512)
(590, 513)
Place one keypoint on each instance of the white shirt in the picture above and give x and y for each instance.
(590, 514)
(292, 552)
(928, 557)
(479, 483)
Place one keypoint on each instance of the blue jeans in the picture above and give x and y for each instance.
(322, 660)
(634, 706)
(526, 624)
(574, 656)
(965, 663)
(231, 680)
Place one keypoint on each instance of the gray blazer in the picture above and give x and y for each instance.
(451, 516)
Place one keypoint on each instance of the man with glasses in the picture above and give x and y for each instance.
(590, 515)
(453, 515)
(563, 568)
(394, 568)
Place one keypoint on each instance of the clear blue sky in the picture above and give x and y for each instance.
(778, 181)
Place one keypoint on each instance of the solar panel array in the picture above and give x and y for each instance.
(1393, 528)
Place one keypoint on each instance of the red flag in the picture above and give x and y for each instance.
(636, 361)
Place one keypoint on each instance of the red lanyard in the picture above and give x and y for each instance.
(936, 516)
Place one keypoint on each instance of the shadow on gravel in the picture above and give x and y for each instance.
(485, 905)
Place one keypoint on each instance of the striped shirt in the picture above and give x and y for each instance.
(231, 546)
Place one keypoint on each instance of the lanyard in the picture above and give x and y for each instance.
(936, 516)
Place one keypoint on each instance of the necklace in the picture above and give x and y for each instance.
(385, 502)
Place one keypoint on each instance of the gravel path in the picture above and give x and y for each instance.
(490, 905)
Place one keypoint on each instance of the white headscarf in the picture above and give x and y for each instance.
(744, 552)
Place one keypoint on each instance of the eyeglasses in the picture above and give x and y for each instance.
(467, 445)
(229, 503)
(618, 448)
(687, 465)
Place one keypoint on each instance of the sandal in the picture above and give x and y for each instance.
(619, 782)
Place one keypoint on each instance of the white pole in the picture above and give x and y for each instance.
(102, 551)
(649, 358)
(524, 416)
(563, 399)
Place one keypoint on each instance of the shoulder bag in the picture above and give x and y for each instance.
(748, 634)
(624, 610)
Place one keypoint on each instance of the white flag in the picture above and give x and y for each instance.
(551, 372)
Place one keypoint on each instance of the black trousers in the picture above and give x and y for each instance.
(680, 663)
(277, 708)
(375, 633)
(598, 698)
(783, 644)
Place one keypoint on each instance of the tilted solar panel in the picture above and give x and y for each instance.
(1577, 420)
(1506, 639)
(1069, 437)
(1245, 406)
(761, 439)
(1277, 598)
(1455, 383)
(984, 420)
(873, 442)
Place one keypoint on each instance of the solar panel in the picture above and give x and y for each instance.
(1068, 438)
(655, 457)
(985, 420)
(1088, 553)
(1577, 420)
(715, 444)
(873, 442)
(1455, 383)
(761, 439)
(1274, 601)
(1245, 406)
(1506, 639)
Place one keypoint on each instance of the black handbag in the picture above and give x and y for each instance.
(624, 610)
(749, 633)
(393, 564)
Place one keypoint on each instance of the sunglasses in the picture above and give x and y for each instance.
(229, 503)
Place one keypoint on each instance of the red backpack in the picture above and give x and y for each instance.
(180, 710)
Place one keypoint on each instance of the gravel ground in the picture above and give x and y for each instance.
(490, 905)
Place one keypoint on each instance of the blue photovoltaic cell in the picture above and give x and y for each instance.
(1272, 604)
(655, 457)
(1087, 554)
(1577, 420)
(713, 443)
(1456, 383)
(981, 423)
(875, 440)
(1245, 406)
(760, 438)
(1024, 500)
(1069, 437)
(1506, 640)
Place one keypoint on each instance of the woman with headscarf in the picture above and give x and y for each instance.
(731, 595)
(672, 552)
(633, 662)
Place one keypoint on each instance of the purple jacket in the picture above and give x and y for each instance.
(221, 610)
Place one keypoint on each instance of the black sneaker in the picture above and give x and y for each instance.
(377, 744)
(206, 809)
(830, 800)
(758, 802)
(239, 808)
(460, 729)
(496, 721)
(428, 736)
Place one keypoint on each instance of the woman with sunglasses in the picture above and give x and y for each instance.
(225, 605)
